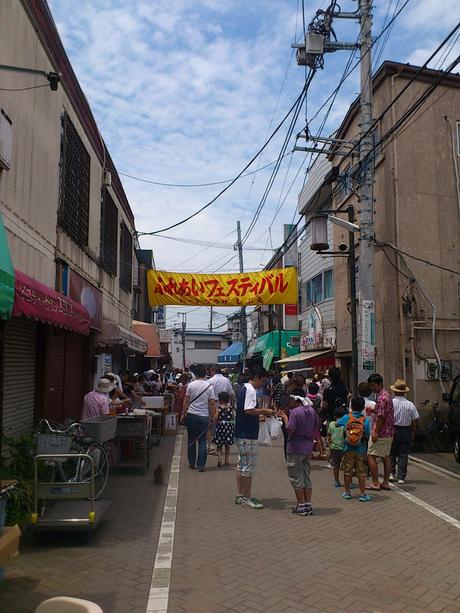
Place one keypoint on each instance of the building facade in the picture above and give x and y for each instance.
(69, 228)
(201, 347)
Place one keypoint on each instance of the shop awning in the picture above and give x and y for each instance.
(150, 334)
(6, 276)
(305, 356)
(231, 355)
(113, 334)
(38, 301)
(268, 345)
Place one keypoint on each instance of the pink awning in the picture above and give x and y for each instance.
(38, 301)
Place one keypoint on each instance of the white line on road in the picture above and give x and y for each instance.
(434, 468)
(428, 507)
(161, 575)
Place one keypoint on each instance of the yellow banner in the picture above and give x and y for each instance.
(277, 286)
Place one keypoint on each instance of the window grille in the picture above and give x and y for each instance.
(73, 212)
(109, 234)
(126, 258)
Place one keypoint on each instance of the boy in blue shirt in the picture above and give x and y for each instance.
(357, 433)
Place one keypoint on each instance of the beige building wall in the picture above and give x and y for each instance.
(29, 191)
(417, 210)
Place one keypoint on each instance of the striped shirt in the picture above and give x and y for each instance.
(405, 411)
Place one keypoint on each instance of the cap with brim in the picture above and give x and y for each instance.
(104, 385)
(400, 387)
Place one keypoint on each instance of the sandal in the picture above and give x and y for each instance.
(219, 463)
(387, 488)
(375, 488)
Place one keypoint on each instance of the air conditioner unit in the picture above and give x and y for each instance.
(6, 140)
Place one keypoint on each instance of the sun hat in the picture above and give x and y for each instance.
(400, 386)
(104, 386)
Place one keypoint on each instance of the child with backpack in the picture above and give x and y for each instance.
(336, 440)
(357, 433)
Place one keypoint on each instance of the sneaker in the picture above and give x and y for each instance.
(252, 502)
(239, 499)
(337, 484)
(392, 478)
(347, 496)
(401, 481)
(365, 498)
(299, 509)
(308, 509)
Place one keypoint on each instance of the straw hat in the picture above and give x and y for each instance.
(104, 385)
(400, 387)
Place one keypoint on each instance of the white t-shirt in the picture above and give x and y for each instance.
(250, 401)
(200, 406)
(221, 384)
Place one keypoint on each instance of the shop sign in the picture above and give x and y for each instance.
(368, 335)
(89, 296)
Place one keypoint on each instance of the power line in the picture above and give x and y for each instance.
(414, 257)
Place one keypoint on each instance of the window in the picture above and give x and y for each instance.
(328, 284)
(74, 174)
(317, 289)
(126, 258)
(207, 345)
(109, 234)
(320, 287)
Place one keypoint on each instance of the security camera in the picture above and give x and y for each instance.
(343, 247)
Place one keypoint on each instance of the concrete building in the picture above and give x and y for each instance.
(201, 347)
(69, 227)
(417, 227)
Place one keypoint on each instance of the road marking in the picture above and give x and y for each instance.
(161, 575)
(434, 468)
(428, 507)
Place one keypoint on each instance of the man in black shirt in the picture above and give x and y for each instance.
(336, 394)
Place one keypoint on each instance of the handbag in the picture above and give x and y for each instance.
(184, 416)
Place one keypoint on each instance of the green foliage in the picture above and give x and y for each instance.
(17, 464)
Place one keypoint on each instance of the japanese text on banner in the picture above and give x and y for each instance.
(277, 286)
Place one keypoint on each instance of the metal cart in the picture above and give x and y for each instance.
(133, 437)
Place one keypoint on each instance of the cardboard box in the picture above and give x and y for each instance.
(171, 423)
(9, 543)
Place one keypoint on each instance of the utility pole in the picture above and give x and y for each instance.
(183, 329)
(244, 329)
(211, 319)
(366, 359)
(353, 297)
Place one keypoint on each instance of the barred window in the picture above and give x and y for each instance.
(126, 258)
(109, 234)
(73, 213)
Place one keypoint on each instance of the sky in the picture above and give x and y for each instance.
(187, 91)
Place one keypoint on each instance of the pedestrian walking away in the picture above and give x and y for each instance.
(246, 436)
(357, 433)
(302, 424)
(382, 434)
(405, 422)
(199, 414)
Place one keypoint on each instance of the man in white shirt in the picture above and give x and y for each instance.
(221, 383)
(405, 419)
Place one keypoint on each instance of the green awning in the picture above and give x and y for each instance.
(268, 346)
(6, 276)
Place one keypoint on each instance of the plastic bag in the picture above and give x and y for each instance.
(264, 435)
(274, 426)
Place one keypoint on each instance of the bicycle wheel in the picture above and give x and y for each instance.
(442, 439)
(101, 468)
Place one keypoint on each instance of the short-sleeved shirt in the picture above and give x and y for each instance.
(337, 436)
(362, 447)
(405, 411)
(302, 425)
(221, 384)
(246, 426)
(94, 404)
(200, 393)
(384, 408)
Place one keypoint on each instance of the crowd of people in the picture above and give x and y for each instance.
(320, 420)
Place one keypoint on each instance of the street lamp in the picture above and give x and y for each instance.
(320, 245)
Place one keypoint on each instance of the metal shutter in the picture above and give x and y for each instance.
(19, 359)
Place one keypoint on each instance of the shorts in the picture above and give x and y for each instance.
(336, 458)
(247, 456)
(381, 448)
(353, 461)
(298, 468)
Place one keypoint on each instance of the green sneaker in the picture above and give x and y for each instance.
(239, 499)
(253, 503)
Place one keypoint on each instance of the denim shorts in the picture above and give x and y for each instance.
(247, 456)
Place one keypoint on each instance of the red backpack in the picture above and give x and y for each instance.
(354, 431)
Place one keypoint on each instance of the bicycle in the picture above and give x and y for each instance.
(437, 433)
(56, 440)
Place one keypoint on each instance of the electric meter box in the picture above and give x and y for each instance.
(314, 43)
(6, 140)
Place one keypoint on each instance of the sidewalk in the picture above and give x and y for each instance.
(114, 569)
(384, 556)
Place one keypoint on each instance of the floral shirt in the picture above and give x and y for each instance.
(384, 408)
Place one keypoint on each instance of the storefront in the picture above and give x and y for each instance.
(317, 361)
(276, 344)
(45, 357)
(149, 332)
(117, 348)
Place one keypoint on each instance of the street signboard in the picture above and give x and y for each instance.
(368, 335)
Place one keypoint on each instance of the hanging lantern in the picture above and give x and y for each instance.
(319, 233)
